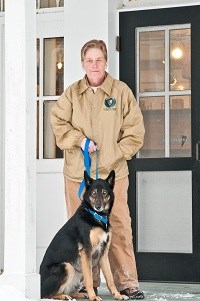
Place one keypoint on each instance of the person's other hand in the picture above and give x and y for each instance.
(91, 148)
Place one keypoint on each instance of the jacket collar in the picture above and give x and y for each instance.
(83, 85)
(106, 85)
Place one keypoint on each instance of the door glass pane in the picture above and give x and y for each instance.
(49, 3)
(180, 59)
(152, 61)
(51, 151)
(180, 126)
(164, 210)
(153, 110)
(53, 66)
(37, 130)
(2, 8)
(38, 67)
(164, 67)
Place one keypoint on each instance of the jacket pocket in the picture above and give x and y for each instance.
(117, 157)
(70, 155)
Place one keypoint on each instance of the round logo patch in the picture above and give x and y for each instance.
(110, 102)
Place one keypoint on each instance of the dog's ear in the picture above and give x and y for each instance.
(111, 179)
(87, 179)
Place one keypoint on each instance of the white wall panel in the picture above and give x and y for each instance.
(51, 210)
(84, 20)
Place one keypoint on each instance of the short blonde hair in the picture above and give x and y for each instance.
(94, 44)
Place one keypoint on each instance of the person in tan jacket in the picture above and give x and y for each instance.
(104, 110)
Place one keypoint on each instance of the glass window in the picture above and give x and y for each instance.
(164, 89)
(37, 132)
(38, 67)
(151, 61)
(49, 3)
(180, 126)
(154, 121)
(180, 59)
(50, 76)
(2, 7)
(50, 149)
(53, 66)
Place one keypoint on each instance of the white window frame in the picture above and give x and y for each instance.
(48, 26)
(2, 122)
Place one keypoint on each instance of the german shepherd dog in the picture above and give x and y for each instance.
(82, 243)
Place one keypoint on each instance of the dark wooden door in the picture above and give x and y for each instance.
(160, 177)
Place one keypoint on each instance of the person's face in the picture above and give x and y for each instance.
(94, 65)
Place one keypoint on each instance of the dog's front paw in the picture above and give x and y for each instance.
(118, 296)
(80, 295)
(95, 298)
(61, 297)
(124, 297)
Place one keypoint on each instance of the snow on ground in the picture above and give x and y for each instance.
(161, 296)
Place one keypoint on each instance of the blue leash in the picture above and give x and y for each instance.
(87, 164)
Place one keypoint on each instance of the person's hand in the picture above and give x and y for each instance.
(91, 147)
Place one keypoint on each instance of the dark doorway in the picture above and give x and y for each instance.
(164, 194)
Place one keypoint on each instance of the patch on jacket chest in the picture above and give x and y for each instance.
(110, 104)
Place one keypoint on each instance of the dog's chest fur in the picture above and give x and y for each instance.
(100, 240)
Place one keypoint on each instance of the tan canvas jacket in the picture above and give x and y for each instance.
(111, 117)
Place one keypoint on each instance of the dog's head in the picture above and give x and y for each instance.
(99, 193)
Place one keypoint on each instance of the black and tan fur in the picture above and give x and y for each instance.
(82, 243)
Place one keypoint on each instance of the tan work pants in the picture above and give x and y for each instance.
(121, 255)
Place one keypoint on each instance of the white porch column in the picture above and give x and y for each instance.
(20, 148)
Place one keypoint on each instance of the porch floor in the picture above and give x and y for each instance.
(162, 291)
(152, 291)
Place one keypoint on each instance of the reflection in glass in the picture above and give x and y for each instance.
(53, 66)
(50, 150)
(180, 59)
(151, 61)
(180, 126)
(49, 3)
(154, 121)
(38, 67)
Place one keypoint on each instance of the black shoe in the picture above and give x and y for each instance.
(133, 293)
(83, 290)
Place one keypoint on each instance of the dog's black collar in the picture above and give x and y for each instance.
(98, 217)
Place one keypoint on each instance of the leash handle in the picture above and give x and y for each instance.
(87, 164)
(86, 156)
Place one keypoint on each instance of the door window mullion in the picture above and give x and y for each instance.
(41, 72)
(167, 136)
